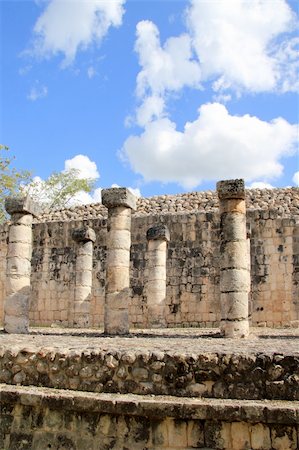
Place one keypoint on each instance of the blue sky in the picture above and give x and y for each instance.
(162, 96)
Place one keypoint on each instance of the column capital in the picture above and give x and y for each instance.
(231, 189)
(84, 234)
(158, 232)
(118, 197)
(22, 205)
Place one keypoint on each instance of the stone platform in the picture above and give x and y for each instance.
(154, 389)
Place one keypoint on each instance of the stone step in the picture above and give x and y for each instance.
(44, 418)
(177, 364)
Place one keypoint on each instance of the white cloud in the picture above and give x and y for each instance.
(67, 26)
(295, 178)
(84, 198)
(44, 194)
(260, 185)
(91, 72)
(167, 68)
(151, 108)
(135, 191)
(164, 69)
(216, 145)
(37, 92)
(236, 42)
(86, 167)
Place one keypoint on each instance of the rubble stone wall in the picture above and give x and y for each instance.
(193, 296)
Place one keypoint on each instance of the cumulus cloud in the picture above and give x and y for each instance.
(86, 168)
(237, 44)
(66, 26)
(37, 92)
(295, 178)
(45, 193)
(91, 72)
(260, 185)
(135, 191)
(164, 69)
(216, 145)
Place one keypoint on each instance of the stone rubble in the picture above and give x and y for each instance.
(285, 201)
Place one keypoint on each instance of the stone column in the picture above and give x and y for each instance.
(16, 306)
(157, 237)
(85, 237)
(234, 268)
(120, 202)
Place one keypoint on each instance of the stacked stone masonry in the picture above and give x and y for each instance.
(193, 265)
(39, 419)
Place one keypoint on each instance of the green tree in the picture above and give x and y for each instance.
(10, 178)
(59, 190)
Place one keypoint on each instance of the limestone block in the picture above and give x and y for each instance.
(84, 278)
(156, 286)
(116, 322)
(235, 329)
(234, 255)
(227, 189)
(17, 304)
(118, 197)
(233, 227)
(240, 436)
(119, 300)
(16, 284)
(14, 324)
(82, 293)
(177, 433)
(158, 232)
(120, 218)
(156, 258)
(235, 280)
(20, 250)
(157, 273)
(84, 234)
(119, 239)
(84, 262)
(234, 305)
(81, 320)
(18, 266)
(283, 438)
(20, 233)
(260, 437)
(81, 307)
(24, 205)
(232, 206)
(156, 316)
(85, 249)
(118, 258)
(117, 278)
(22, 219)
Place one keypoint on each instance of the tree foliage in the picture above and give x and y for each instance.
(59, 190)
(10, 178)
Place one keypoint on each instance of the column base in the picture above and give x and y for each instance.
(235, 328)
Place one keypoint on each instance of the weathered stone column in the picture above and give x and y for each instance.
(157, 237)
(120, 202)
(16, 306)
(234, 268)
(85, 237)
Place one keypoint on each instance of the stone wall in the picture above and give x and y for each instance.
(39, 419)
(211, 375)
(192, 264)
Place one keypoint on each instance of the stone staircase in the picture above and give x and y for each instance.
(172, 389)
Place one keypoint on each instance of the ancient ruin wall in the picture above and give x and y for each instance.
(192, 264)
